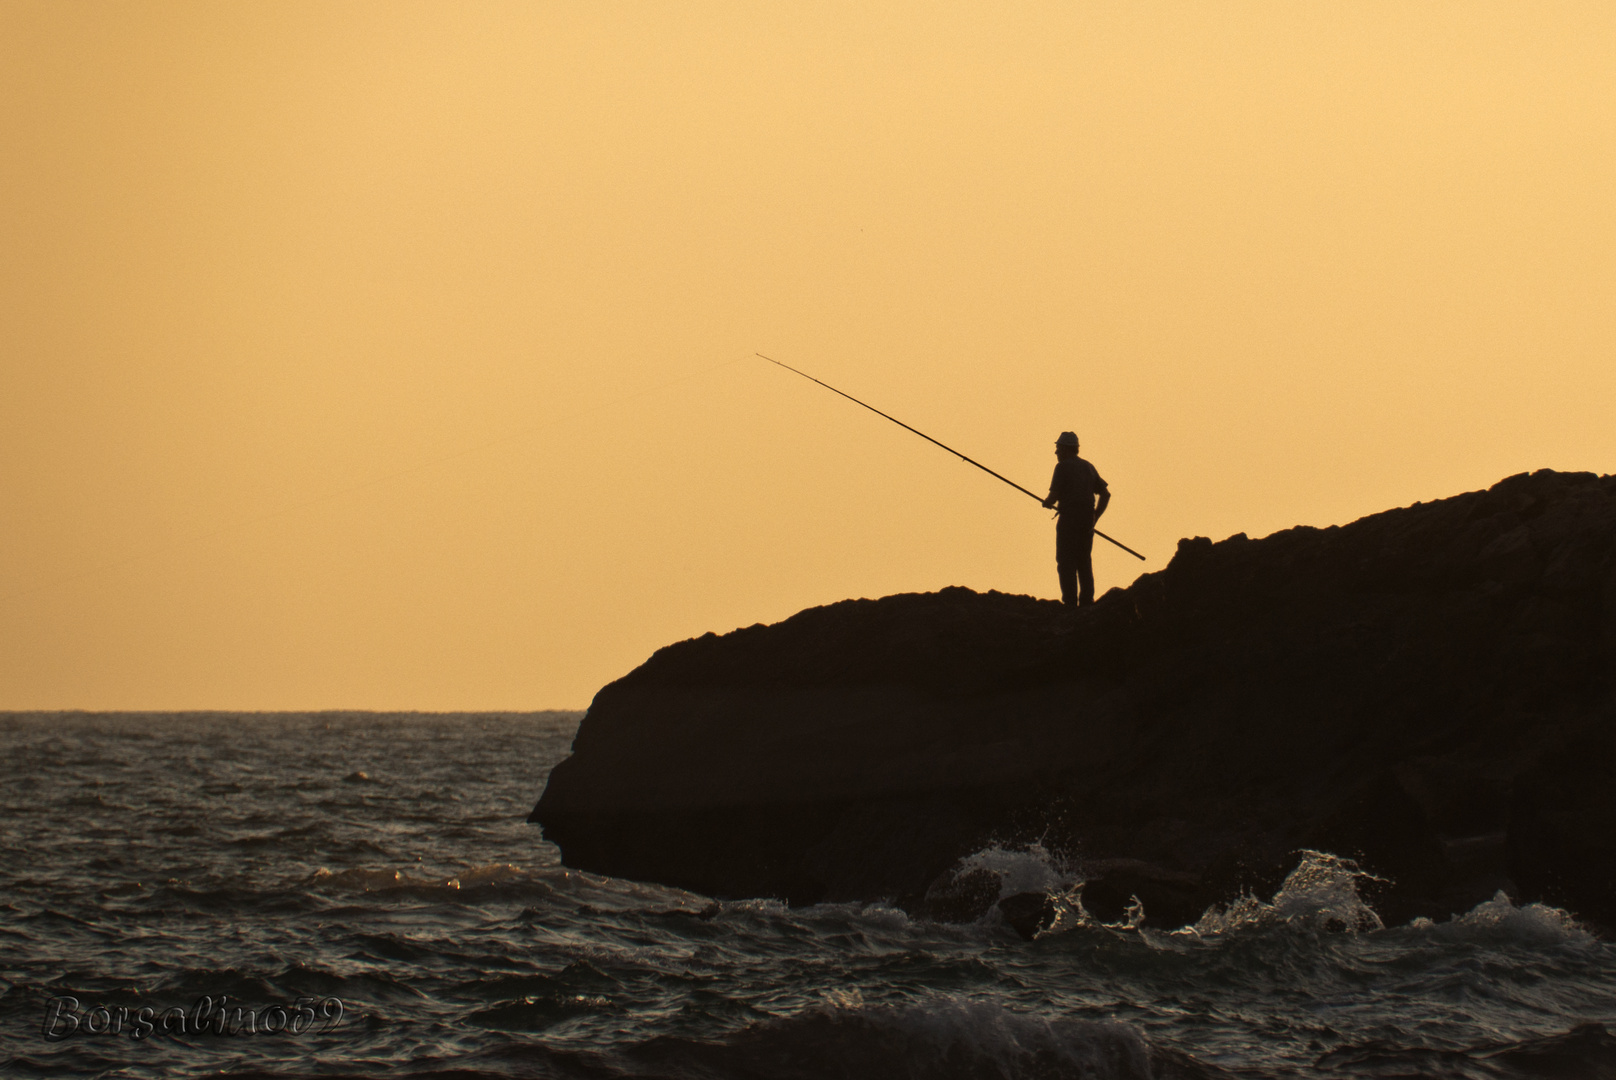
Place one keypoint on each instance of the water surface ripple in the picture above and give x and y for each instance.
(383, 859)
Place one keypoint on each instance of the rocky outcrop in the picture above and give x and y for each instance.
(1428, 690)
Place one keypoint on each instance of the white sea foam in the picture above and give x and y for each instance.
(849, 998)
(1500, 917)
(1033, 869)
(1320, 894)
(1023, 870)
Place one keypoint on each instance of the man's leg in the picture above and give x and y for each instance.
(1067, 561)
(1085, 567)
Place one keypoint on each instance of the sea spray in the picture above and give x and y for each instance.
(1028, 869)
(1321, 893)
(1500, 918)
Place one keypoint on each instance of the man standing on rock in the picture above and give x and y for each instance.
(1073, 489)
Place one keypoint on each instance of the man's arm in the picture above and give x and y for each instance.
(1054, 485)
(1103, 489)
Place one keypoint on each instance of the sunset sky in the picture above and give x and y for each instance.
(400, 355)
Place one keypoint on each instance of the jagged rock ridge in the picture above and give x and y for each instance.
(1428, 689)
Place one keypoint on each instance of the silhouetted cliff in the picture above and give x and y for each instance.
(1429, 689)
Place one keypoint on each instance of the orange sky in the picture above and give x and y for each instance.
(398, 355)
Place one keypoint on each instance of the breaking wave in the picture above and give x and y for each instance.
(1029, 869)
(939, 1039)
(1500, 918)
(1320, 894)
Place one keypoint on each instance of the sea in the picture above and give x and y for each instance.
(359, 894)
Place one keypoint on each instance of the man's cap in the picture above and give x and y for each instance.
(1067, 438)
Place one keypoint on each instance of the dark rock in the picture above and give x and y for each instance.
(1028, 912)
(1428, 691)
(961, 896)
(1562, 835)
(1112, 886)
(1586, 1052)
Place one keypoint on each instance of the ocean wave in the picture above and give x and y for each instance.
(942, 1039)
(1041, 895)
(537, 1012)
(1500, 919)
(471, 885)
(227, 898)
(185, 986)
(1029, 869)
(1323, 893)
(459, 947)
(1586, 1052)
(1320, 894)
(293, 980)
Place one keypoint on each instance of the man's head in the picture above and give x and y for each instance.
(1066, 445)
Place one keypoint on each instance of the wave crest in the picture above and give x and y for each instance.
(1320, 894)
(939, 1039)
(1501, 918)
(473, 880)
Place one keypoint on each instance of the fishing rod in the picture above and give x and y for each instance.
(934, 442)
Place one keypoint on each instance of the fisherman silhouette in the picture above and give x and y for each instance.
(1072, 489)
(1081, 523)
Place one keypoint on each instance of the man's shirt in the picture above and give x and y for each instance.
(1074, 486)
